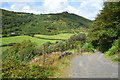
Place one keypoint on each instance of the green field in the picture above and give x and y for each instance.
(18, 39)
(55, 37)
(39, 39)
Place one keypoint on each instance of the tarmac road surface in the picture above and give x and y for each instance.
(92, 66)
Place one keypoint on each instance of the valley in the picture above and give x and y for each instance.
(50, 45)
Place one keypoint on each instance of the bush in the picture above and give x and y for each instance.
(76, 39)
(60, 46)
(13, 68)
(26, 54)
(79, 37)
(22, 51)
(112, 50)
(87, 47)
(115, 48)
(38, 50)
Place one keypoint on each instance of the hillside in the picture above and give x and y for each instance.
(14, 23)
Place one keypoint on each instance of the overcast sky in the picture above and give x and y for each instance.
(86, 8)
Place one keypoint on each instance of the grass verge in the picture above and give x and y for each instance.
(58, 67)
(115, 58)
(86, 53)
(72, 50)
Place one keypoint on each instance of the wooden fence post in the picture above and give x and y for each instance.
(43, 55)
(79, 49)
(65, 46)
(74, 48)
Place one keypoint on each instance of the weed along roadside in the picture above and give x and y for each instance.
(54, 62)
(60, 66)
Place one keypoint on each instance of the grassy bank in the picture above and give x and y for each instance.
(59, 67)
(115, 58)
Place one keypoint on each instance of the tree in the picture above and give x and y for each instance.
(106, 27)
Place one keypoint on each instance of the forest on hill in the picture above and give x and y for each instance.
(16, 23)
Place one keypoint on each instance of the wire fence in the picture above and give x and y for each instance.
(50, 58)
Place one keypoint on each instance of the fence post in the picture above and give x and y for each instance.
(65, 46)
(43, 55)
(74, 48)
(79, 49)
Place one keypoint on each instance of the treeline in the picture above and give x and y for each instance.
(104, 33)
(18, 23)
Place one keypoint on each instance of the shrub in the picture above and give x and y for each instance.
(112, 50)
(13, 68)
(26, 54)
(38, 50)
(23, 51)
(60, 46)
(115, 47)
(78, 37)
(87, 47)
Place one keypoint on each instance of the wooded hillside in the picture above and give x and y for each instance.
(27, 23)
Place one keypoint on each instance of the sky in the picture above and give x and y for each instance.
(86, 8)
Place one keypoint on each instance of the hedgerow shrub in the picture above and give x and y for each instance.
(26, 54)
(21, 51)
(115, 47)
(38, 50)
(79, 37)
(60, 46)
(87, 47)
(112, 50)
(13, 68)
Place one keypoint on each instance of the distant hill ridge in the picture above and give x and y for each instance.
(28, 23)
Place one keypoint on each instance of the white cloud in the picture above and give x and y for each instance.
(87, 8)
(26, 8)
(71, 9)
(90, 8)
(35, 12)
(23, 7)
(12, 6)
(18, 7)
(5, 8)
(55, 5)
(18, 0)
